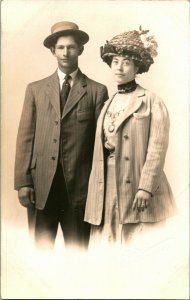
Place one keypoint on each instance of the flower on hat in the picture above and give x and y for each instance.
(148, 41)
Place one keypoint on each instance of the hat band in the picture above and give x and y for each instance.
(61, 28)
(137, 53)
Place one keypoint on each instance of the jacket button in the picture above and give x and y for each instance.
(128, 181)
(56, 122)
(54, 140)
(126, 136)
(53, 157)
(127, 158)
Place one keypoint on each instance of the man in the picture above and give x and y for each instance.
(55, 142)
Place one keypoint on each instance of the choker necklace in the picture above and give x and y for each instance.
(127, 87)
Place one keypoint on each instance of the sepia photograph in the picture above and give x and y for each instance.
(95, 149)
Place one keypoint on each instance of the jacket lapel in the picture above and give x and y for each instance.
(134, 105)
(77, 91)
(53, 92)
(102, 115)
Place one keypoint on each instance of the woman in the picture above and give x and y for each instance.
(128, 190)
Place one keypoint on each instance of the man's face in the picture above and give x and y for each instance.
(67, 51)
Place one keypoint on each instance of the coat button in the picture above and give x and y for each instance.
(126, 136)
(55, 141)
(126, 157)
(128, 181)
(53, 157)
(56, 122)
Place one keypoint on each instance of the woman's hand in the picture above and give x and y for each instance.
(141, 200)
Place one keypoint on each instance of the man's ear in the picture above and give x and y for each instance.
(81, 50)
(52, 49)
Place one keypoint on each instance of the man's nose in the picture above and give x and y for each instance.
(65, 51)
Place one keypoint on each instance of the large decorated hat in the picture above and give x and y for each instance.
(137, 45)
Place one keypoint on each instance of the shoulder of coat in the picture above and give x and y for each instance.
(94, 83)
(149, 95)
(44, 80)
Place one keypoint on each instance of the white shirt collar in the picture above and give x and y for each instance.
(62, 75)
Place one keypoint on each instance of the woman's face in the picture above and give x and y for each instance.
(124, 69)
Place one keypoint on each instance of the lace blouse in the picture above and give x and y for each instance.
(115, 111)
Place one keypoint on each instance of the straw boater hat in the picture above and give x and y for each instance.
(137, 45)
(65, 28)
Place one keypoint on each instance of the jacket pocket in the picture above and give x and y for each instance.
(33, 163)
(33, 169)
(142, 115)
(84, 115)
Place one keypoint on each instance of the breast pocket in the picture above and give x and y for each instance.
(142, 120)
(143, 115)
(85, 115)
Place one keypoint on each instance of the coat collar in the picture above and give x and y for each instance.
(134, 105)
(76, 93)
(53, 91)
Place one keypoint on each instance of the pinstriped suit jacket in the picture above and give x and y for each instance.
(38, 139)
(142, 137)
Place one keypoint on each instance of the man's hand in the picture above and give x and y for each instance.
(141, 200)
(26, 196)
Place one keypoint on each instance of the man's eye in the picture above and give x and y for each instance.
(72, 47)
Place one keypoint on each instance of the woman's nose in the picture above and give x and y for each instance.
(119, 66)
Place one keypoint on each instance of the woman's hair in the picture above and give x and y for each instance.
(136, 45)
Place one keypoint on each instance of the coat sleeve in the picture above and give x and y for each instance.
(101, 98)
(25, 141)
(157, 147)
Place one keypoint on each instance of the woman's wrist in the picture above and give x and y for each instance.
(146, 192)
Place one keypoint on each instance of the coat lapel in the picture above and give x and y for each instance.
(135, 104)
(53, 92)
(77, 91)
(102, 115)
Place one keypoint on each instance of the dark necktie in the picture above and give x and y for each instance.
(64, 92)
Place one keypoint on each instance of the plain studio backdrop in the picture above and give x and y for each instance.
(25, 24)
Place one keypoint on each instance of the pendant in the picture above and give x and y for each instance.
(111, 128)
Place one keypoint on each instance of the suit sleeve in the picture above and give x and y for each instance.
(25, 141)
(102, 97)
(157, 147)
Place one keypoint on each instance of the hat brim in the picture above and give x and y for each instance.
(50, 40)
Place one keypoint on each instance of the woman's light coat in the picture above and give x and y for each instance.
(142, 136)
